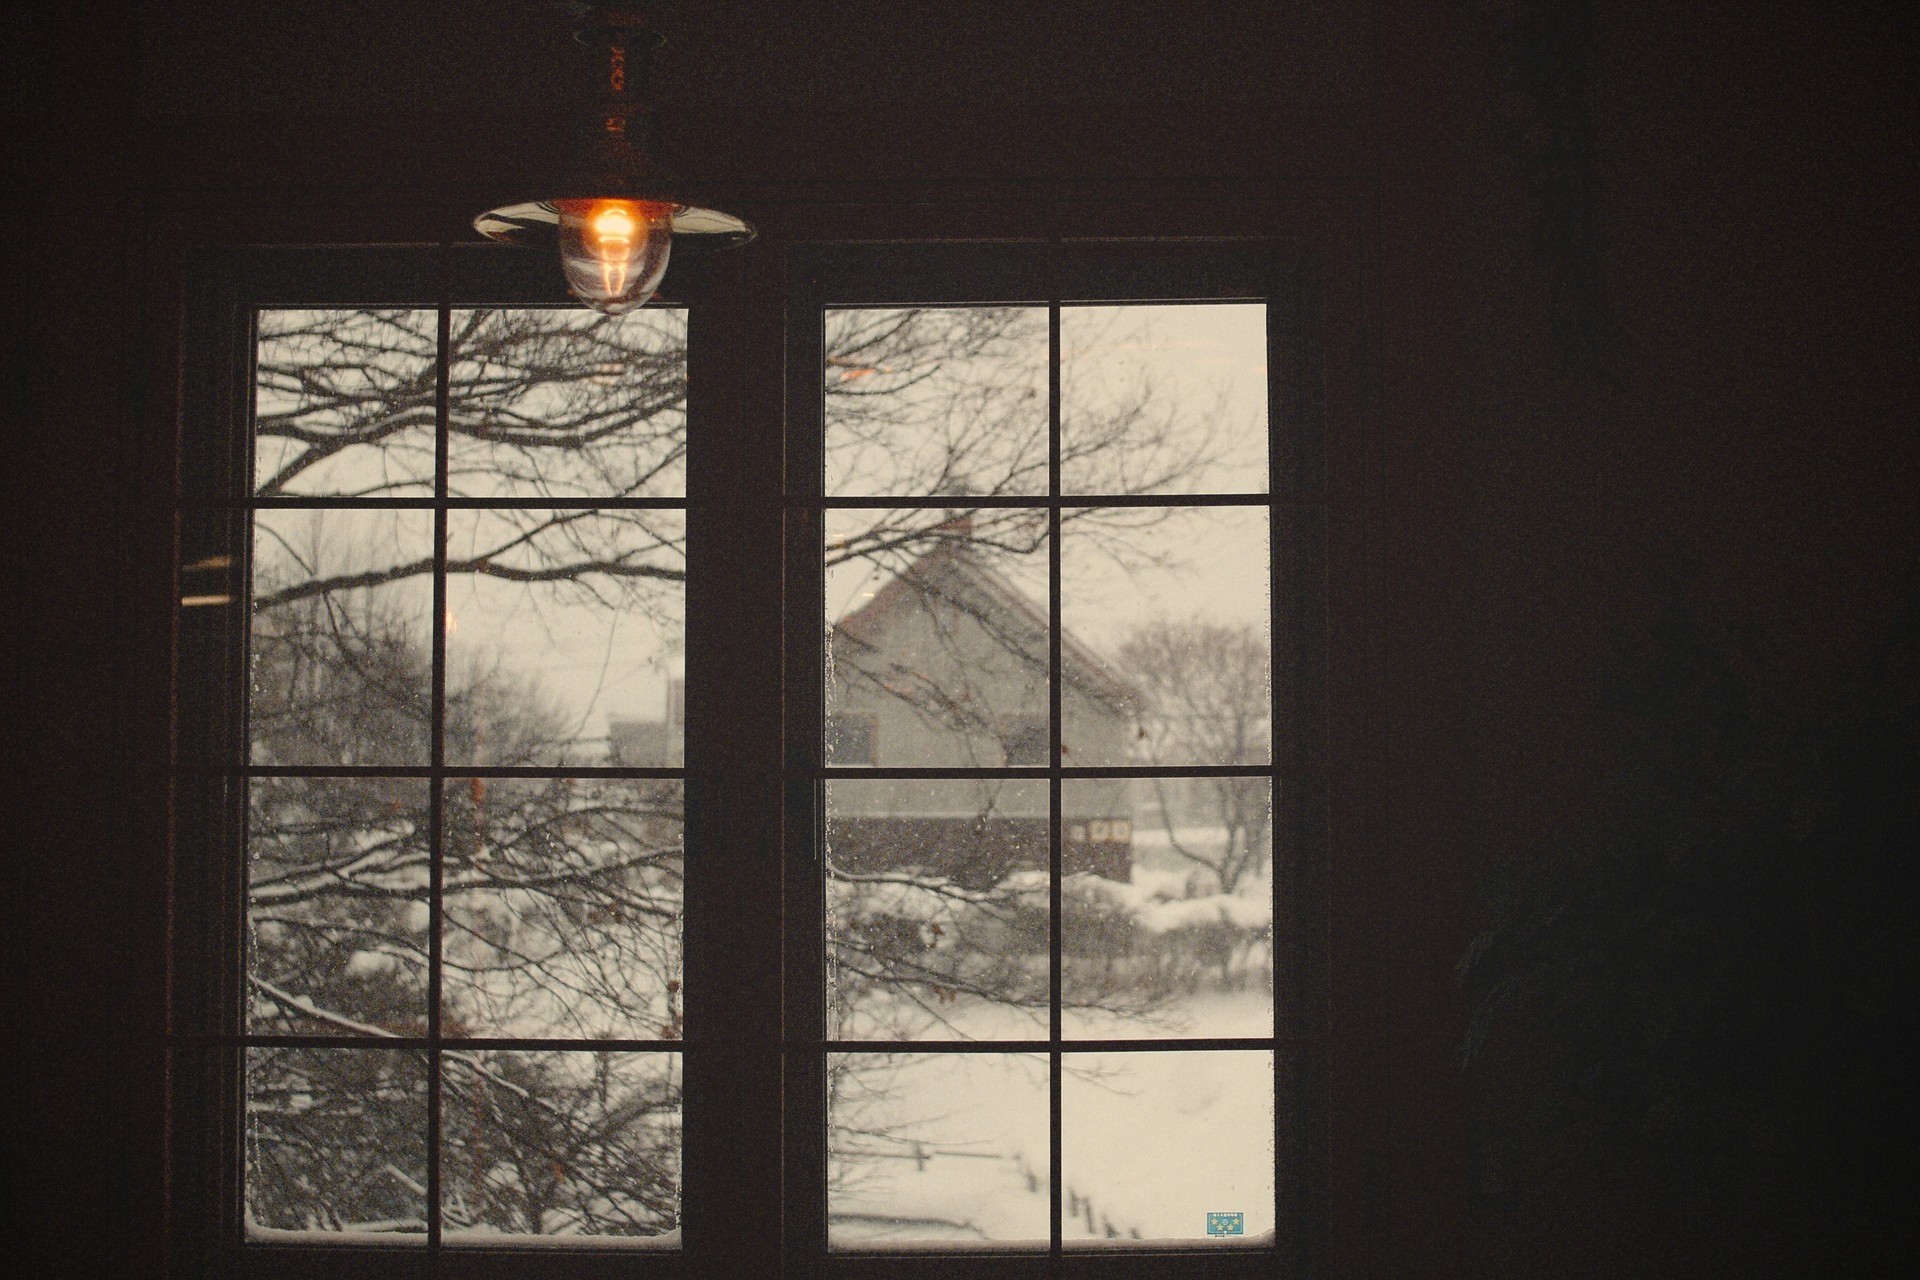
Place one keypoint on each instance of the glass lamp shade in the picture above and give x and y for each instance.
(614, 252)
(599, 252)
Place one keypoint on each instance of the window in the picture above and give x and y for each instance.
(1025, 740)
(849, 739)
(1050, 567)
(482, 950)
(433, 613)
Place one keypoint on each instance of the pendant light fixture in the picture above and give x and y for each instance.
(620, 214)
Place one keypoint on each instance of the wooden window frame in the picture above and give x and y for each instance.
(747, 1108)
(1053, 274)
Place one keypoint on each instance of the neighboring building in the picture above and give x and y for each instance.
(946, 667)
(652, 744)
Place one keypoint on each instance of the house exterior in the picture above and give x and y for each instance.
(652, 744)
(945, 666)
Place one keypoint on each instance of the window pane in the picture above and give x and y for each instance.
(1179, 598)
(1167, 930)
(932, 401)
(342, 644)
(337, 1143)
(1025, 740)
(568, 403)
(337, 906)
(938, 631)
(564, 631)
(563, 908)
(849, 740)
(1163, 399)
(937, 1151)
(566, 1144)
(1152, 1144)
(936, 909)
(344, 403)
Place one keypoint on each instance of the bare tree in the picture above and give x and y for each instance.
(561, 918)
(1208, 700)
(563, 897)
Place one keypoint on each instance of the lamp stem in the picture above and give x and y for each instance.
(619, 99)
(628, 44)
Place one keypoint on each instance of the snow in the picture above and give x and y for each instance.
(950, 1151)
(500, 1240)
(365, 963)
(949, 1143)
(414, 1235)
(1157, 908)
(1151, 1143)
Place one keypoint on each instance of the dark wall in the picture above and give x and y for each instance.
(1643, 299)
(1685, 295)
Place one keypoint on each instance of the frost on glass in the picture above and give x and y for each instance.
(564, 636)
(341, 637)
(937, 638)
(936, 908)
(1163, 399)
(337, 905)
(548, 403)
(1176, 939)
(937, 1151)
(1179, 597)
(344, 403)
(560, 1146)
(932, 401)
(1154, 1142)
(336, 1144)
(563, 908)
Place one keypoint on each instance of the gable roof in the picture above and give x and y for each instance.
(955, 572)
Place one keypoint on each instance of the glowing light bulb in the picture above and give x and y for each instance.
(614, 252)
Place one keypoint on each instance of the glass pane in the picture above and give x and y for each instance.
(344, 403)
(1159, 1146)
(566, 1144)
(342, 652)
(937, 1151)
(563, 904)
(337, 906)
(337, 1143)
(1167, 907)
(564, 634)
(1178, 599)
(938, 633)
(931, 401)
(936, 909)
(568, 403)
(1163, 399)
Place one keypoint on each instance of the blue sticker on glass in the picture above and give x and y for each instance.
(1226, 1224)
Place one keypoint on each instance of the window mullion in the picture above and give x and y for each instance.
(731, 1173)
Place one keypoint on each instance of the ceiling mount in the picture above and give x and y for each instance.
(620, 213)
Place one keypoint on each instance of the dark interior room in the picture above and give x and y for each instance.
(1583, 599)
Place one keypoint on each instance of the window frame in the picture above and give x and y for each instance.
(737, 789)
(206, 1032)
(1054, 273)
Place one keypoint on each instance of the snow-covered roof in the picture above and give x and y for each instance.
(954, 572)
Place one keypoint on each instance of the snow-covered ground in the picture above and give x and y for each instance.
(1151, 1142)
(950, 1151)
